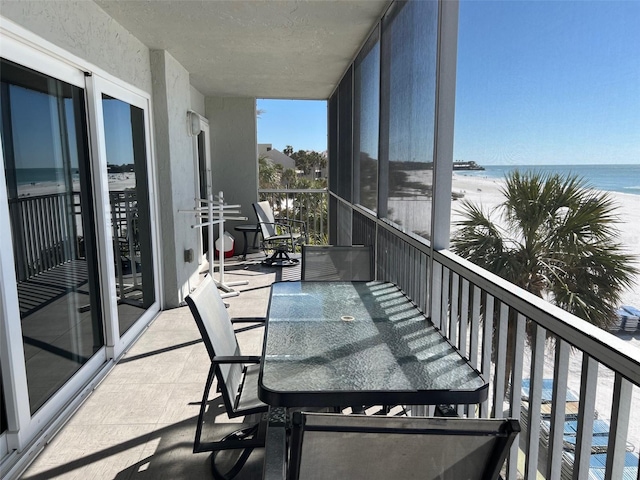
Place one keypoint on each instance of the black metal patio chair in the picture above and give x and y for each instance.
(281, 235)
(331, 446)
(236, 375)
(337, 263)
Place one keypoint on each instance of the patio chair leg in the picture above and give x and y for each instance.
(280, 258)
(239, 437)
(234, 470)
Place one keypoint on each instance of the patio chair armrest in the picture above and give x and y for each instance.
(238, 359)
(284, 226)
(303, 224)
(292, 220)
(248, 320)
(277, 222)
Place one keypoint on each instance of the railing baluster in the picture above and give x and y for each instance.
(424, 283)
(444, 303)
(54, 232)
(42, 242)
(397, 255)
(46, 233)
(558, 408)
(33, 244)
(501, 360)
(417, 284)
(41, 245)
(436, 298)
(464, 323)
(413, 273)
(487, 348)
(61, 209)
(619, 428)
(535, 402)
(26, 250)
(515, 396)
(39, 265)
(586, 411)
(62, 235)
(404, 253)
(453, 311)
(469, 410)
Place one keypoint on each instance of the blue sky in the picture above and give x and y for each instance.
(299, 123)
(538, 82)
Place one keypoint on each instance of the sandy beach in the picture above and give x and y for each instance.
(116, 182)
(486, 191)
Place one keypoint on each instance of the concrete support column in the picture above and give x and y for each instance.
(176, 175)
(234, 155)
(445, 113)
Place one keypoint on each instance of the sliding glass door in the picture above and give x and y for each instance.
(78, 272)
(128, 180)
(49, 190)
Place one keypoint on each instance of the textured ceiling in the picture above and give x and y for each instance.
(265, 49)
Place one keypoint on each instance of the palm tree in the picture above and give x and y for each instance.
(554, 237)
(269, 174)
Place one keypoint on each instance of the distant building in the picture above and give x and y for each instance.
(462, 165)
(265, 150)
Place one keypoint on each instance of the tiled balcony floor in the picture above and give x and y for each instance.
(140, 421)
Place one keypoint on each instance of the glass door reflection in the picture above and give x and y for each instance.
(46, 162)
(127, 174)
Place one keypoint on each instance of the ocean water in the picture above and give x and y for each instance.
(613, 178)
(26, 176)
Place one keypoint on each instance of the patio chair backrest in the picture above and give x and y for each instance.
(266, 219)
(336, 263)
(218, 335)
(382, 447)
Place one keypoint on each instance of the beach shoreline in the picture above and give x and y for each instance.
(116, 182)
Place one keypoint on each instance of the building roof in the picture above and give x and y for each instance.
(275, 156)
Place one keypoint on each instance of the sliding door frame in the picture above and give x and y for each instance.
(96, 87)
(23, 427)
(28, 433)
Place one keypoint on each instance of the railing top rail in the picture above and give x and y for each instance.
(27, 198)
(603, 346)
(292, 190)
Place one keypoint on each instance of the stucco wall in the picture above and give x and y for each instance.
(234, 154)
(86, 31)
(197, 102)
(176, 175)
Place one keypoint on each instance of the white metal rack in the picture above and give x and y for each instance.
(215, 212)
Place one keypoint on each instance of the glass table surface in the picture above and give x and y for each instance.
(358, 343)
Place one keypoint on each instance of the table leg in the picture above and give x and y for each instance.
(275, 454)
(246, 244)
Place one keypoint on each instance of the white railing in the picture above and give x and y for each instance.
(48, 231)
(512, 336)
(517, 336)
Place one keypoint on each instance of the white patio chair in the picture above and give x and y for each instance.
(281, 235)
(236, 375)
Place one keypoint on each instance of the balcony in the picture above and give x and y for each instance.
(141, 419)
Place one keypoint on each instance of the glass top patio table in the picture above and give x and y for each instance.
(358, 343)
